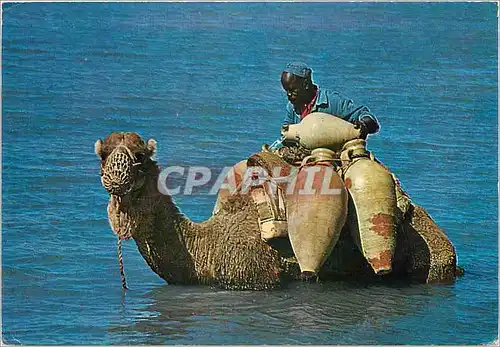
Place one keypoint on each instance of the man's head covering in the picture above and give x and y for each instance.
(298, 69)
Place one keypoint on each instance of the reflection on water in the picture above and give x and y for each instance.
(318, 313)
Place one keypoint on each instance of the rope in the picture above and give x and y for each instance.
(120, 261)
(304, 163)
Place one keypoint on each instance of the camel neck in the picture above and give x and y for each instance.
(167, 228)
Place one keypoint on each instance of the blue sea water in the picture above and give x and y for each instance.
(203, 80)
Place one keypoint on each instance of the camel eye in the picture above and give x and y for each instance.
(140, 157)
(104, 155)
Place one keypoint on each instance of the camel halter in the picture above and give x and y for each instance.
(119, 244)
(120, 262)
(119, 248)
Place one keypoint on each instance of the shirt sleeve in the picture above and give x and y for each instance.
(347, 110)
(289, 117)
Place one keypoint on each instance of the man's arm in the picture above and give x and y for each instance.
(347, 110)
(290, 115)
(289, 119)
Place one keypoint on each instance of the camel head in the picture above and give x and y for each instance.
(125, 158)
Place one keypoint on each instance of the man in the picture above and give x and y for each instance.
(305, 97)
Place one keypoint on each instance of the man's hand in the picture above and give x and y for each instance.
(366, 125)
(363, 131)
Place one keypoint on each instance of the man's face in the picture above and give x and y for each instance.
(293, 85)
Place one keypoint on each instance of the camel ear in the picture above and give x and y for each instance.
(152, 146)
(98, 148)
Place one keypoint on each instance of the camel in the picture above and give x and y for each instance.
(226, 250)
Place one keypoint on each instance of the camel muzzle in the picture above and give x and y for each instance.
(118, 172)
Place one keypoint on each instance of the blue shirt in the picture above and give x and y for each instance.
(333, 103)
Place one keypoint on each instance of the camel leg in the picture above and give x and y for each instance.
(432, 257)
